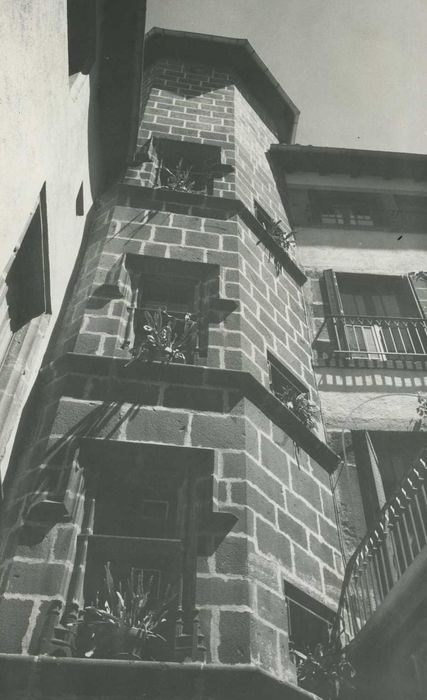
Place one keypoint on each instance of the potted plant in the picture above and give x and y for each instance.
(300, 405)
(165, 338)
(326, 672)
(180, 179)
(127, 622)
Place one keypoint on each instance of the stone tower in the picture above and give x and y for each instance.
(173, 429)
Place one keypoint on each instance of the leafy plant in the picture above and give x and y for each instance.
(300, 405)
(285, 239)
(166, 338)
(124, 620)
(180, 179)
(327, 672)
(422, 406)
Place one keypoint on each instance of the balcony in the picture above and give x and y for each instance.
(373, 337)
(386, 564)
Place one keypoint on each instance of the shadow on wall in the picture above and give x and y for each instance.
(396, 382)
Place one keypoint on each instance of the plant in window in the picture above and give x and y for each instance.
(129, 618)
(300, 405)
(180, 179)
(285, 239)
(166, 338)
(327, 672)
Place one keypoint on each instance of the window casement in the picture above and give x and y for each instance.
(374, 316)
(81, 30)
(309, 624)
(169, 304)
(25, 293)
(346, 209)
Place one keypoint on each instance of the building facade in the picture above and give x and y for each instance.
(196, 463)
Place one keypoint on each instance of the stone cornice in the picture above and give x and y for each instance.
(43, 676)
(150, 197)
(197, 376)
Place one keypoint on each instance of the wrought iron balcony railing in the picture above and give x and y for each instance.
(384, 554)
(375, 337)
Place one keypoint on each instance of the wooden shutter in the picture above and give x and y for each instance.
(333, 293)
(371, 485)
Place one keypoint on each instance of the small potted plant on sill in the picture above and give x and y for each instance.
(327, 672)
(165, 338)
(180, 179)
(130, 623)
(299, 403)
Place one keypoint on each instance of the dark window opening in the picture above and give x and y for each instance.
(135, 502)
(309, 624)
(282, 380)
(27, 281)
(355, 209)
(81, 27)
(177, 294)
(262, 217)
(80, 207)
(188, 167)
(375, 316)
(411, 213)
(384, 459)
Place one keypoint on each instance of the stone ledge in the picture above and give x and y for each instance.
(149, 196)
(193, 375)
(48, 678)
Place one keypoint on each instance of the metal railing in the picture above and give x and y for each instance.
(384, 554)
(377, 337)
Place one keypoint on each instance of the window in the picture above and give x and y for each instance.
(81, 28)
(309, 623)
(182, 292)
(355, 209)
(262, 217)
(26, 293)
(188, 167)
(375, 316)
(291, 392)
(411, 212)
(384, 458)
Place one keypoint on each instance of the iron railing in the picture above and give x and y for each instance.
(384, 554)
(376, 337)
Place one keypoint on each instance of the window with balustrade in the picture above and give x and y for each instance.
(373, 317)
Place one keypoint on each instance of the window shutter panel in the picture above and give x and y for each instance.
(333, 293)
(421, 307)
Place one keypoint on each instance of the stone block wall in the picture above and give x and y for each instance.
(280, 495)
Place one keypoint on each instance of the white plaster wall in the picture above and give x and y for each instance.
(43, 138)
(352, 250)
(371, 399)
